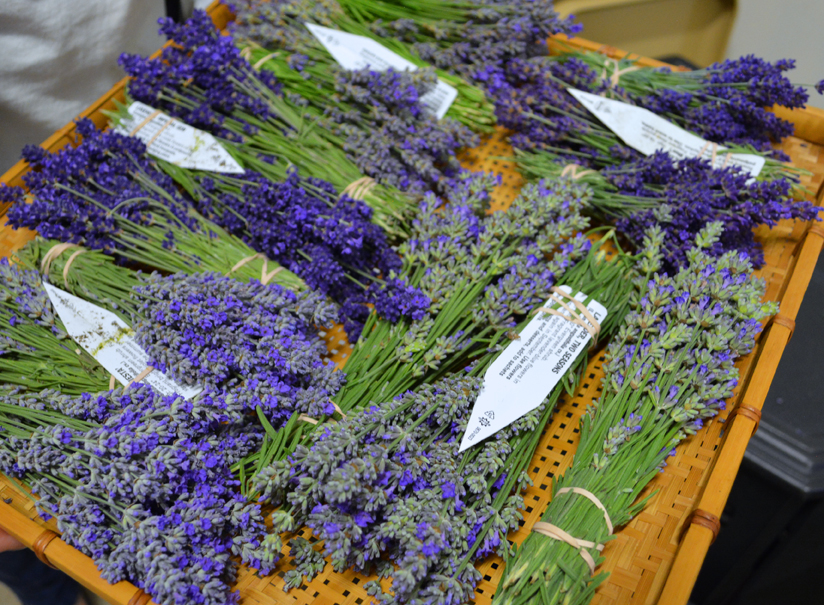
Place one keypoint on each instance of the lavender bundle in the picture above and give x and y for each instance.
(106, 195)
(280, 26)
(140, 483)
(203, 80)
(387, 490)
(670, 368)
(254, 347)
(385, 128)
(725, 103)
(479, 273)
(35, 351)
(681, 198)
(474, 39)
(326, 239)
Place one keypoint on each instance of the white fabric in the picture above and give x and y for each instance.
(59, 56)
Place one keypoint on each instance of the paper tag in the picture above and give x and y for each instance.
(527, 370)
(356, 52)
(647, 132)
(177, 142)
(111, 342)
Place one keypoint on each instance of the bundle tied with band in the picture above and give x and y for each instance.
(556, 533)
(588, 321)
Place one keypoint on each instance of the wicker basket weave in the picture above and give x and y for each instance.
(657, 556)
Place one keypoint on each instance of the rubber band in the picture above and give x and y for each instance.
(263, 60)
(581, 306)
(246, 53)
(265, 274)
(590, 324)
(309, 419)
(556, 533)
(615, 78)
(157, 134)
(592, 498)
(112, 382)
(571, 170)
(52, 254)
(358, 189)
(150, 117)
(141, 376)
(337, 409)
(69, 262)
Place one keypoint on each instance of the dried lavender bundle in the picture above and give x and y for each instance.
(255, 347)
(203, 80)
(142, 484)
(279, 26)
(681, 197)
(725, 103)
(481, 272)
(105, 194)
(326, 239)
(388, 491)
(671, 366)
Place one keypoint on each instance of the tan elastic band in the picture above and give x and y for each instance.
(592, 498)
(714, 154)
(615, 78)
(726, 160)
(309, 419)
(571, 170)
(265, 274)
(112, 382)
(262, 61)
(337, 409)
(69, 262)
(556, 533)
(591, 324)
(246, 53)
(157, 134)
(148, 119)
(357, 190)
(53, 253)
(142, 375)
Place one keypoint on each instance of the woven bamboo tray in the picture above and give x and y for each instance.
(657, 556)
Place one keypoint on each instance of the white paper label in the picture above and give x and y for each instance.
(357, 52)
(111, 342)
(527, 370)
(647, 132)
(177, 142)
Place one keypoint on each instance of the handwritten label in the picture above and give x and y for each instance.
(647, 132)
(111, 342)
(527, 370)
(177, 142)
(356, 52)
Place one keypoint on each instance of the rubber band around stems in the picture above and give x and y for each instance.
(615, 78)
(590, 324)
(706, 146)
(358, 189)
(571, 170)
(556, 533)
(265, 275)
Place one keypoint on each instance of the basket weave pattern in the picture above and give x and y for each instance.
(643, 553)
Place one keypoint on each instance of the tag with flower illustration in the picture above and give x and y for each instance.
(111, 342)
(176, 142)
